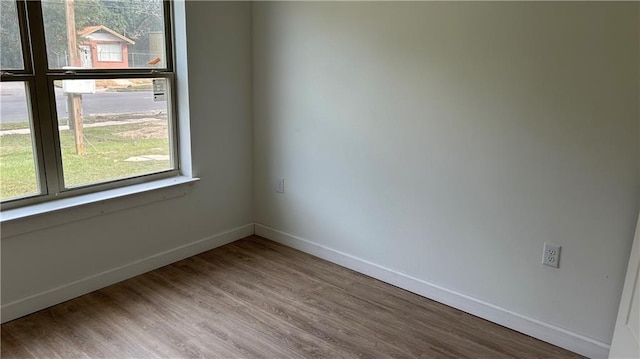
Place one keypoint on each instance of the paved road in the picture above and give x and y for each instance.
(13, 103)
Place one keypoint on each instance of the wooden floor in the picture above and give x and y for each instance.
(255, 298)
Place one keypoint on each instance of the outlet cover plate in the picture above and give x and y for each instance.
(551, 255)
(280, 185)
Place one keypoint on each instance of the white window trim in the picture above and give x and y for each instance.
(38, 216)
(49, 162)
(32, 218)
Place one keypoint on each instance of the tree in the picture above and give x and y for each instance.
(132, 18)
(10, 45)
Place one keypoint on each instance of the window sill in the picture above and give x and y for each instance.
(42, 215)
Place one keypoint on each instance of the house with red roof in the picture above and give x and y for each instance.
(103, 48)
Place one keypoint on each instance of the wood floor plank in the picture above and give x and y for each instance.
(257, 299)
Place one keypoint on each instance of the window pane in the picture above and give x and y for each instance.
(10, 45)
(18, 176)
(109, 52)
(125, 129)
(109, 34)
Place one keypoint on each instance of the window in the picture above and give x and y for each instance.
(70, 123)
(109, 52)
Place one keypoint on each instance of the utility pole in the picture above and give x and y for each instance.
(74, 100)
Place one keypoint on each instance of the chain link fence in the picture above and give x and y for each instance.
(142, 60)
(136, 60)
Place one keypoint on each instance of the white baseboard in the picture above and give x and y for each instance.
(546, 332)
(549, 333)
(89, 284)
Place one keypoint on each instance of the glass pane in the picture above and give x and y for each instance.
(121, 131)
(108, 34)
(10, 45)
(18, 174)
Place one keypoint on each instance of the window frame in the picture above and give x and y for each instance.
(39, 78)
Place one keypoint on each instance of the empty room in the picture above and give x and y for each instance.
(319, 179)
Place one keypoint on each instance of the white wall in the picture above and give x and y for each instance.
(63, 258)
(443, 141)
(449, 141)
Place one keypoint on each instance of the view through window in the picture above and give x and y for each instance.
(94, 108)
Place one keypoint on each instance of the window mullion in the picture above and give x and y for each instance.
(45, 122)
(169, 35)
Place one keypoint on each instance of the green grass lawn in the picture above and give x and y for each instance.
(106, 147)
(86, 120)
(14, 125)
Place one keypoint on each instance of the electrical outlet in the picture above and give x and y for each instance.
(280, 185)
(551, 255)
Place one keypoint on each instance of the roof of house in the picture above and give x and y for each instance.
(91, 29)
